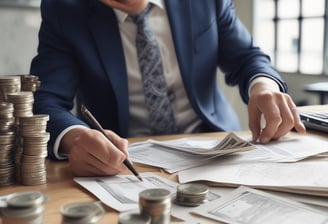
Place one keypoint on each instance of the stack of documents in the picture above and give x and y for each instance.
(295, 163)
(184, 153)
(299, 167)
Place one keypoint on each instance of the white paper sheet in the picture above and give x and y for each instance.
(288, 149)
(308, 175)
(122, 193)
(246, 205)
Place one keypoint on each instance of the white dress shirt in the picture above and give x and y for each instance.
(186, 119)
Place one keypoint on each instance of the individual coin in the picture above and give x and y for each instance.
(191, 194)
(26, 199)
(81, 209)
(154, 194)
(193, 189)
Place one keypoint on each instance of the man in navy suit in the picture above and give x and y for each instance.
(87, 52)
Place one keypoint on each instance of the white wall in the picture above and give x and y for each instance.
(18, 39)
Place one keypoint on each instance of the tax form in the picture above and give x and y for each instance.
(246, 205)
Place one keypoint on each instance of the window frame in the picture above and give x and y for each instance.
(300, 20)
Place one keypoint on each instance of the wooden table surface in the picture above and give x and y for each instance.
(61, 189)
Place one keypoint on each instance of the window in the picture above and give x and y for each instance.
(292, 32)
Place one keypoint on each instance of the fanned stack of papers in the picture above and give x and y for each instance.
(301, 167)
(184, 153)
(295, 163)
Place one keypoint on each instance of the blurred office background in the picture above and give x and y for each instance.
(292, 32)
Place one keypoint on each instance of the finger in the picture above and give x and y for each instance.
(91, 169)
(97, 145)
(272, 120)
(108, 151)
(83, 163)
(298, 124)
(120, 143)
(287, 117)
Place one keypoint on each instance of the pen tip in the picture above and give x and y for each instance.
(139, 177)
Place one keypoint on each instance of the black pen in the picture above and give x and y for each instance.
(95, 124)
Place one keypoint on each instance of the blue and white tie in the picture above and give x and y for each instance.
(161, 117)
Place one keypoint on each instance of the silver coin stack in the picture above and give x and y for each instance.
(24, 208)
(32, 131)
(82, 213)
(156, 203)
(31, 137)
(133, 217)
(30, 83)
(7, 144)
(23, 103)
(191, 194)
(9, 84)
(23, 106)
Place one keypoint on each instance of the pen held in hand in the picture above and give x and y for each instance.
(95, 124)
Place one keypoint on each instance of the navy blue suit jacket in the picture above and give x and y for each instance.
(80, 54)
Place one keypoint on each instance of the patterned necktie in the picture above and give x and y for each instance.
(161, 115)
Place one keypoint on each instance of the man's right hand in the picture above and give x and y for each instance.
(90, 153)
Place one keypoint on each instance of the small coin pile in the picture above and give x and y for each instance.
(34, 138)
(30, 83)
(25, 157)
(23, 103)
(82, 213)
(191, 194)
(156, 204)
(9, 84)
(7, 144)
(24, 208)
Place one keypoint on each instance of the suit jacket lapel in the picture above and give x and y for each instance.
(104, 27)
(179, 14)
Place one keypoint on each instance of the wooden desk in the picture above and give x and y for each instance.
(61, 189)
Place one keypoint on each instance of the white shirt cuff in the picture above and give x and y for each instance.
(263, 79)
(59, 138)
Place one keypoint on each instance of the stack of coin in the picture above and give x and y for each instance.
(7, 144)
(82, 213)
(7, 120)
(23, 103)
(191, 194)
(9, 84)
(30, 83)
(24, 208)
(23, 107)
(7, 165)
(156, 203)
(33, 125)
(34, 140)
(133, 217)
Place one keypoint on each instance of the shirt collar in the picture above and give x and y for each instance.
(121, 16)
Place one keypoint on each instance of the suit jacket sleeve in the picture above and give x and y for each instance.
(58, 74)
